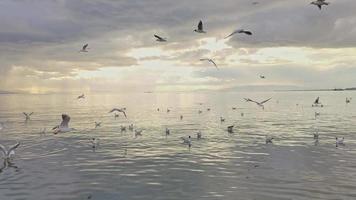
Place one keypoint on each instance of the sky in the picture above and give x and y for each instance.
(294, 44)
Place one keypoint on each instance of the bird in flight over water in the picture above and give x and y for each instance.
(200, 28)
(258, 103)
(211, 61)
(160, 39)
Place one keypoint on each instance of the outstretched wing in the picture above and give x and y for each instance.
(25, 114)
(113, 110)
(200, 25)
(158, 37)
(124, 113)
(30, 114)
(265, 101)
(85, 47)
(13, 148)
(65, 120)
(316, 101)
(248, 32)
(233, 33)
(3, 149)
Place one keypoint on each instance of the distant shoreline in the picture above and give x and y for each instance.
(319, 90)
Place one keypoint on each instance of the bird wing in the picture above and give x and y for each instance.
(319, 6)
(25, 114)
(113, 110)
(158, 37)
(65, 120)
(124, 113)
(316, 101)
(248, 32)
(210, 60)
(3, 149)
(30, 114)
(200, 25)
(85, 46)
(13, 148)
(265, 101)
(233, 33)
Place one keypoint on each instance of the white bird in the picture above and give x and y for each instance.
(168, 132)
(239, 31)
(316, 114)
(138, 132)
(28, 115)
(64, 126)
(84, 48)
(131, 127)
(222, 119)
(94, 142)
(348, 100)
(122, 110)
(160, 39)
(320, 3)
(10, 152)
(316, 135)
(187, 141)
(317, 103)
(258, 103)
(199, 135)
(200, 112)
(210, 60)
(230, 129)
(339, 142)
(181, 117)
(262, 77)
(81, 96)
(269, 140)
(200, 28)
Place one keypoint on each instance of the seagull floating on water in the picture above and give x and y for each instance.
(187, 141)
(320, 3)
(258, 103)
(222, 119)
(181, 117)
(230, 129)
(168, 132)
(122, 110)
(316, 135)
(340, 141)
(63, 127)
(199, 135)
(131, 127)
(28, 115)
(200, 28)
(97, 124)
(348, 100)
(138, 132)
(262, 77)
(10, 152)
(160, 39)
(239, 31)
(122, 128)
(94, 142)
(210, 60)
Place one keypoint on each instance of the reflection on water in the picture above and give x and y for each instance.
(158, 166)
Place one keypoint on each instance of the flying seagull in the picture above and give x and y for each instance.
(200, 28)
(63, 127)
(81, 96)
(317, 103)
(187, 141)
(320, 3)
(122, 110)
(8, 153)
(97, 124)
(269, 140)
(160, 39)
(210, 60)
(28, 115)
(258, 103)
(262, 77)
(84, 48)
(239, 31)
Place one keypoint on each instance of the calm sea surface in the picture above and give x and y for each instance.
(219, 166)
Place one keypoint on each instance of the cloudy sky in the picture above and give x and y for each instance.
(294, 45)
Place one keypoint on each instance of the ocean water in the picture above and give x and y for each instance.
(219, 166)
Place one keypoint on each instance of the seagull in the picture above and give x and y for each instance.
(160, 39)
(10, 152)
(158, 109)
(199, 135)
(316, 135)
(81, 96)
(168, 132)
(316, 114)
(131, 127)
(340, 142)
(230, 129)
(320, 3)
(210, 60)
(187, 141)
(181, 117)
(258, 103)
(269, 140)
(43, 131)
(208, 109)
(84, 48)
(122, 110)
(200, 112)
(262, 77)
(222, 119)
(242, 114)
(200, 28)
(239, 31)
(348, 100)
(138, 133)
(116, 115)
(28, 115)
(255, 3)
(168, 110)
(97, 124)
(63, 127)
(94, 142)
(123, 128)
(233, 108)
